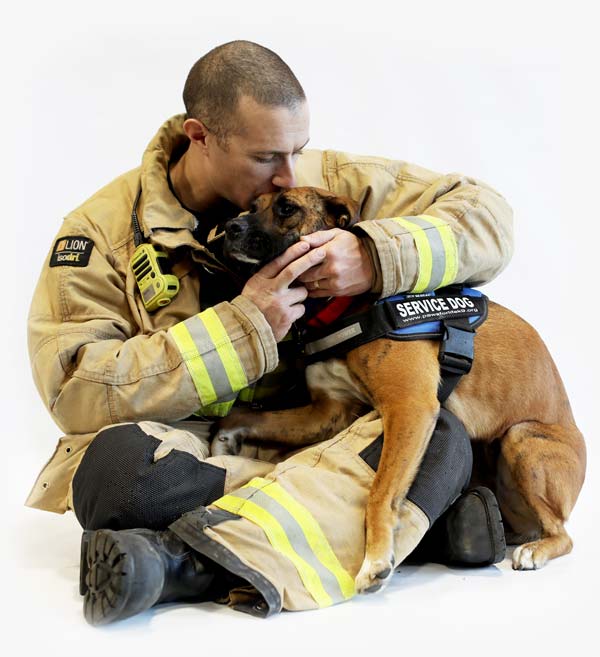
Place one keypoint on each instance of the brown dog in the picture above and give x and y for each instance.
(513, 401)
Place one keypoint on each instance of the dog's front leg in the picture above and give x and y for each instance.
(337, 399)
(405, 394)
(295, 427)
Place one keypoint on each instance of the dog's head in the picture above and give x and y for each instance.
(278, 220)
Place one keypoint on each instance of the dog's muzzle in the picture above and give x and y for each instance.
(247, 243)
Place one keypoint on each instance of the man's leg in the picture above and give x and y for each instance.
(315, 501)
(120, 484)
(126, 482)
(465, 524)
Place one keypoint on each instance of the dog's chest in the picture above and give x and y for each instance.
(334, 378)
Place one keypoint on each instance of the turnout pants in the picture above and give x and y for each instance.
(291, 525)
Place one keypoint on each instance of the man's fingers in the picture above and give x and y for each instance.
(297, 311)
(320, 293)
(320, 237)
(290, 273)
(297, 294)
(312, 275)
(273, 268)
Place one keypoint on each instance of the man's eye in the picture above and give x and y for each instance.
(264, 160)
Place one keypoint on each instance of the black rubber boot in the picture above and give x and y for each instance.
(469, 533)
(123, 573)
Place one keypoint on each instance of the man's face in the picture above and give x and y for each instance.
(261, 157)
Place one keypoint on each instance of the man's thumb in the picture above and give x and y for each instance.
(320, 237)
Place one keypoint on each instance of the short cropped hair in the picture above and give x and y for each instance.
(220, 78)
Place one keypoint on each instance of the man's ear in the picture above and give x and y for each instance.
(342, 212)
(196, 131)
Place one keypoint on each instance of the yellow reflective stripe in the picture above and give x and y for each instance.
(450, 248)
(247, 394)
(437, 251)
(219, 409)
(423, 251)
(280, 542)
(217, 372)
(312, 531)
(194, 363)
(226, 350)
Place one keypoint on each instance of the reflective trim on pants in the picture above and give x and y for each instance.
(293, 531)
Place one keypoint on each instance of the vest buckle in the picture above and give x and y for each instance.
(456, 350)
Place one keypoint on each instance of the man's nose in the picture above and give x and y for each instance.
(285, 175)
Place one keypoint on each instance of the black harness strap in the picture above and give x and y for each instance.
(410, 317)
(455, 355)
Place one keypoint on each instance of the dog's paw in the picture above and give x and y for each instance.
(227, 442)
(374, 575)
(529, 557)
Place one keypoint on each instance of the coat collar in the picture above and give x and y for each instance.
(164, 221)
(159, 209)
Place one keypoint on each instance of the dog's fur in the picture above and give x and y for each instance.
(513, 404)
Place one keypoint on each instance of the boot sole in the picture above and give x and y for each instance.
(120, 576)
(494, 523)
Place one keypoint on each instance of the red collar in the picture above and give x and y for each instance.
(327, 311)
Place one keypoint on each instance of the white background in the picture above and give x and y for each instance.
(503, 91)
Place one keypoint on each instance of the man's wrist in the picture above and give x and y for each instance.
(371, 251)
(252, 313)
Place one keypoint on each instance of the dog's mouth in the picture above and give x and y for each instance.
(252, 246)
(240, 256)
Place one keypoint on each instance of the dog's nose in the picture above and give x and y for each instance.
(235, 228)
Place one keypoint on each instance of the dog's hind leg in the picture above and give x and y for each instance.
(540, 473)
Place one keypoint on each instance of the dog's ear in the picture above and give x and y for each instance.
(342, 212)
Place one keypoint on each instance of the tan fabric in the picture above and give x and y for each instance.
(332, 482)
(99, 358)
(181, 439)
(480, 218)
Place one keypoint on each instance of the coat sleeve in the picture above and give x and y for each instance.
(93, 365)
(425, 230)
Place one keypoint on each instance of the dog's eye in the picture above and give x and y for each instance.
(287, 209)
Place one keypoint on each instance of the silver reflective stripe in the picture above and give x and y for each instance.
(438, 252)
(334, 339)
(296, 537)
(210, 356)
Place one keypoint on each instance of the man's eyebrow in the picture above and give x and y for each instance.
(281, 152)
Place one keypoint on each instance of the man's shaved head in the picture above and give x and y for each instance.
(220, 78)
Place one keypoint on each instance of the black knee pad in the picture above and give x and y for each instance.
(446, 467)
(445, 470)
(118, 485)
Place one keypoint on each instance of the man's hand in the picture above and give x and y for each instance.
(347, 268)
(271, 287)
